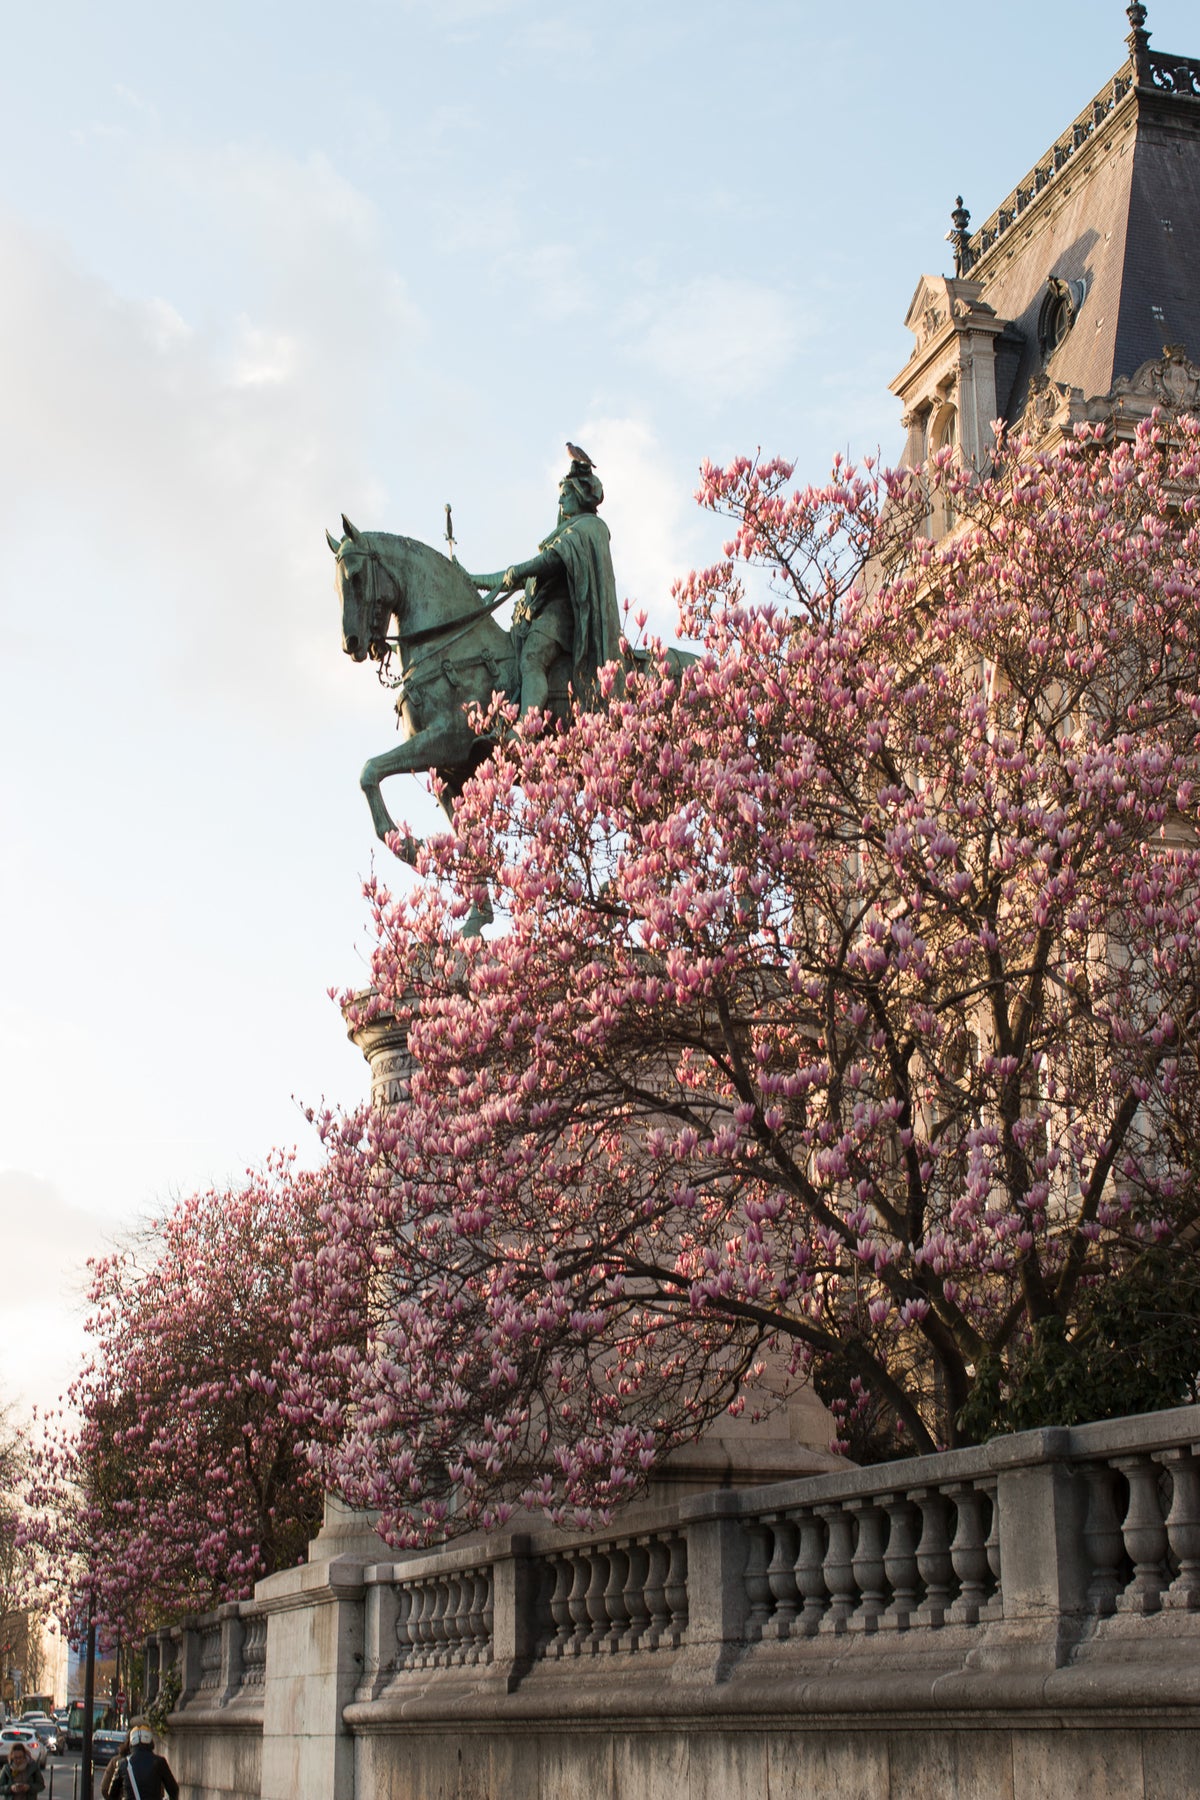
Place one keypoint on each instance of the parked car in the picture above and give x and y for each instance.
(105, 1743)
(23, 1734)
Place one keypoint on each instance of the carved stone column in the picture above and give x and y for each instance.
(384, 1043)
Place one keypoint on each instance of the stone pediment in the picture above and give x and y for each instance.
(940, 304)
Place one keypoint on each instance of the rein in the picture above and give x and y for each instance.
(496, 598)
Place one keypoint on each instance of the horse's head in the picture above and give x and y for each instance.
(363, 589)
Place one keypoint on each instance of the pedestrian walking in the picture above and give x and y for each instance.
(109, 1781)
(21, 1775)
(144, 1775)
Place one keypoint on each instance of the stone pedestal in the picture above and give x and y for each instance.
(384, 1043)
(314, 1664)
(793, 1438)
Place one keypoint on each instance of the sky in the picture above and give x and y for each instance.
(264, 263)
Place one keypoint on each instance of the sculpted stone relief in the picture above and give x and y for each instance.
(1170, 380)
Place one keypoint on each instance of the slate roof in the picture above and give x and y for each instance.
(1115, 204)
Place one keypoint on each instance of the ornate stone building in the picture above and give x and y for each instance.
(1079, 297)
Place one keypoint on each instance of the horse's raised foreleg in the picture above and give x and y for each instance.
(443, 747)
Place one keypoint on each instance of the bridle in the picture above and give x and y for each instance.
(373, 602)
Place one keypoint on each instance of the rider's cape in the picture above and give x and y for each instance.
(582, 545)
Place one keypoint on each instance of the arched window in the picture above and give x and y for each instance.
(943, 435)
(1060, 308)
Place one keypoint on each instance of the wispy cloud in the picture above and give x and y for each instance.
(718, 335)
(142, 421)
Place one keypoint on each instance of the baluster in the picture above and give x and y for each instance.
(475, 1628)
(1145, 1535)
(437, 1623)
(597, 1611)
(614, 1597)
(839, 1568)
(577, 1603)
(428, 1610)
(900, 1563)
(810, 1574)
(990, 1488)
(404, 1637)
(933, 1555)
(489, 1613)
(757, 1584)
(656, 1599)
(869, 1575)
(781, 1579)
(560, 1610)
(1183, 1529)
(470, 1615)
(675, 1590)
(968, 1553)
(1102, 1540)
(422, 1606)
(636, 1610)
(451, 1628)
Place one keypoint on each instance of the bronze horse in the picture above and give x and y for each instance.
(451, 653)
(450, 650)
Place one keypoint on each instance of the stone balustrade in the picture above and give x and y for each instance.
(1034, 1539)
(221, 1658)
(444, 1621)
(626, 1594)
(1052, 1575)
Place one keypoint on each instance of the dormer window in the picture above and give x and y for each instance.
(1059, 311)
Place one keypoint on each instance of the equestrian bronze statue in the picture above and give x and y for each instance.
(405, 604)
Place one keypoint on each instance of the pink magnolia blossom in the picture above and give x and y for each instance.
(845, 1008)
(170, 1480)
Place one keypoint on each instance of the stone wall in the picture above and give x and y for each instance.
(1014, 1621)
(215, 1742)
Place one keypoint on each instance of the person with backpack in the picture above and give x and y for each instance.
(109, 1788)
(144, 1775)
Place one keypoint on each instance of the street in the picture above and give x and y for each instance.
(62, 1777)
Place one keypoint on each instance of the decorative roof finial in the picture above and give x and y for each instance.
(1139, 43)
(960, 237)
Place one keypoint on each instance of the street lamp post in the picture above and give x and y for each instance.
(89, 1698)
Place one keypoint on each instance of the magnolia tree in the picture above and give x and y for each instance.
(845, 1009)
(171, 1480)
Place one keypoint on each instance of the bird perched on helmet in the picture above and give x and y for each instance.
(579, 456)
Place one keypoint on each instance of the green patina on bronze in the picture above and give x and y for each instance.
(569, 605)
(405, 602)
